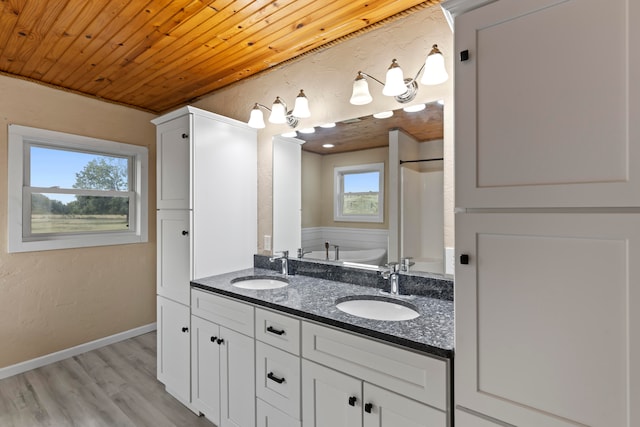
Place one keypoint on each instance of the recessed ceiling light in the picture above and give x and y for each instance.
(328, 125)
(291, 134)
(383, 115)
(328, 145)
(307, 130)
(414, 108)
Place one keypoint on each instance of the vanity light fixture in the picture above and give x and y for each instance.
(383, 114)
(404, 90)
(414, 108)
(279, 113)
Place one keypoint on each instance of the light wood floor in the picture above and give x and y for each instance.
(112, 386)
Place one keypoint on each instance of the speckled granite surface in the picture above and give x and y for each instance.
(314, 298)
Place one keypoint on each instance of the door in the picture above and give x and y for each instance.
(386, 409)
(174, 164)
(330, 398)
(174, 255)
(205, 368)
(173, 348)
(548, 318)
(546, 107)
(237, 376)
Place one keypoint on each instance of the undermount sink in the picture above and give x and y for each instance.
(260, 283)
(377, 308)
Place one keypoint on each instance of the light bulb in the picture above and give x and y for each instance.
(434, 69)
(360, 94)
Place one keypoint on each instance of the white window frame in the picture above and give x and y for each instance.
(18, 225)
(338, 187)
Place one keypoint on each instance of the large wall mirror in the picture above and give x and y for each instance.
(401, 216)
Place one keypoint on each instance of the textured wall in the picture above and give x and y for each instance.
(327, 77)
(53, 300)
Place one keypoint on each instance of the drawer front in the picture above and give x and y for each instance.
(278, 330)
(411, 374)
(234, 315)
(268, 416)
(278, 379)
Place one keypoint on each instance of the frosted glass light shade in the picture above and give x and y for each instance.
(278, 112)
(360, 94)
(301, 107)
(434, 69)
(256, 119)
(394, 84)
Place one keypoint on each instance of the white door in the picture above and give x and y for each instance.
(548, 318)
(174, 255)
(330, 398)
(547, 106)
(237, 376)
(383, 408)
(173, 163)
(173, 348)
(205, 368)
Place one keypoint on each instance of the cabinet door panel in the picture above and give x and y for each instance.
(173, 348)
(205, 368)
(174, 254)
(539, 122)
(392, 410)
(268, 416)
(237, 374)
(173, 164)
(465, 419)
(547, 318)
(278, 378)
(326, 395)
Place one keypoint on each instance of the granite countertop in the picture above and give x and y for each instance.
(314, 299)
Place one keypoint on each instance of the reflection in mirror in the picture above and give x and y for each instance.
(413, 223)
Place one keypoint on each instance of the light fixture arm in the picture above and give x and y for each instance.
(370, 76)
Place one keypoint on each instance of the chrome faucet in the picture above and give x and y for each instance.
(337, 252)
(284, 256)
(392, 274)
(302, 252)
(406, 263)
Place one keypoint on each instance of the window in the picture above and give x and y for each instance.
(359, 193)
(69, 191)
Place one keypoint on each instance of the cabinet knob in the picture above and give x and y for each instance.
(213, 339)
(464, 55)
(220, 341)
(352, 400)
(185, 233)
(275, 331)
(185, 135)
(185, 329)
(368, 407)
(272, 377)
(464, 259)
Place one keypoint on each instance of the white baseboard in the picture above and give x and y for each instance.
(27, 365)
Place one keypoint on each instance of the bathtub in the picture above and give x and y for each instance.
(360, 256)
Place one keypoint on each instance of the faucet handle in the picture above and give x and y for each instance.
(393, 267)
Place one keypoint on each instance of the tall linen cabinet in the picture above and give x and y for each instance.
(206, 222)
(547, 289)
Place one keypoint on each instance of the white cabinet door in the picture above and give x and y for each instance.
(268, 416)
(278, 378)
(547, 107)
(330, 398)
(174, 163)
(386, 409)
(205, 368)
(174, 250)
(548, 318)
(237, 375)
(173, 348)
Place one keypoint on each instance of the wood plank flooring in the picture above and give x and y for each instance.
(112, 386)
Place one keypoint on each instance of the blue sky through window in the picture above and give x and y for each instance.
(362, 182)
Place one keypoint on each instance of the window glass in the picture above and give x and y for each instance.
(359, 193)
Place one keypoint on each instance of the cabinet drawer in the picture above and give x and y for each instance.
(278, 379)
(411, 374)
(234, 315)
(269, 416)
(278, 330)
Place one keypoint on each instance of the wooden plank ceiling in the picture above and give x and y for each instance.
(369, 132)
(160, 54)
